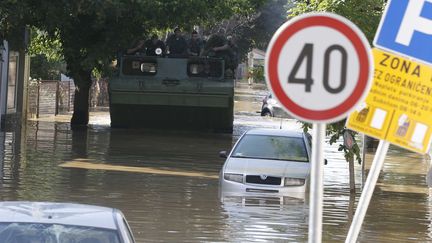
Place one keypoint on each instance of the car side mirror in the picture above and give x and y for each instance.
(325, 161)
(223, 154)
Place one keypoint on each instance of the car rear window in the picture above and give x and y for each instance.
(55, 233)
(272, 147)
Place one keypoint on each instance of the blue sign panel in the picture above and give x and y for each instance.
(406, 28)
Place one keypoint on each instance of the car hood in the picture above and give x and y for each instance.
(267, 167)
(57, 213)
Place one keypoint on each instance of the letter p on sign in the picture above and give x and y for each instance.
(413, 21)
(406, 28)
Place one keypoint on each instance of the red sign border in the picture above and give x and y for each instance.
(363, 53)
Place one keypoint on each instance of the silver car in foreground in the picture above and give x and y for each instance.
(267, 161)
(46, 222)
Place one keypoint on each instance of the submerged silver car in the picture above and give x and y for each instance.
(46, 222)
(274, 162)
(271, 107)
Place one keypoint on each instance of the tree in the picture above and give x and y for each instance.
(43, 68)
(92, 32)
(46, 60)
(258, 32)
(14, 15)
(254, 30)
(366, 14)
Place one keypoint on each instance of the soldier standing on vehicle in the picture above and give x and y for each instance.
(225, 48)
(176, 44)
(153, 44)
(139, 48)
(214, 46)
(194, 44)
(233, 53)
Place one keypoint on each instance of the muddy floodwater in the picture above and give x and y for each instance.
(166, 182)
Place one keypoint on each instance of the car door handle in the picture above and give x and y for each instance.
(170, 82)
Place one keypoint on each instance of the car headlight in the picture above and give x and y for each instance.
(293, 181)
(148, 67)
(233, 177)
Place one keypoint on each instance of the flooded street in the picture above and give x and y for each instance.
(166, 182)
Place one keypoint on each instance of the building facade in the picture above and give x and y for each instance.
(14, 76)
(255, 62)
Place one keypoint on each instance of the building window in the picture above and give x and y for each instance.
(12, 81)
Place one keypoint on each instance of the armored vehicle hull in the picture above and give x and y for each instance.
(172, 93)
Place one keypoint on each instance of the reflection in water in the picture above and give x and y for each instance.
(166, 184)
(400, 206)
(80, 164)
(10, 156)
(265, 218)
(2, 151)
(80, 142)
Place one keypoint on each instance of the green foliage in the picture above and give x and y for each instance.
(12, 21)
(254, 28)
(43, 44)
(336, 131)
(92, 32)
(43, 68)
(47, 62)
(258, 73)
(366, 15)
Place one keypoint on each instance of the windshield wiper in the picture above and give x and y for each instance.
(245, 157)
(250, 157)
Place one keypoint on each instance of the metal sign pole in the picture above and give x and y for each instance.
(363, 165)
(316, 187)
(366, 195)
(292, 50)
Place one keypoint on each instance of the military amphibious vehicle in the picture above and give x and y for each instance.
(193, 93)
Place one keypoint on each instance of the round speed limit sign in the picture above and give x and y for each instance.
(319, 66)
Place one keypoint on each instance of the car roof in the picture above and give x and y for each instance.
(275, 132)
(58, 213)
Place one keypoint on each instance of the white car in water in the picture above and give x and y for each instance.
(273, 162)
(271, 107)
(46, 222)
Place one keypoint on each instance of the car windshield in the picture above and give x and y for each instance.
(54, 233)
(271, 147)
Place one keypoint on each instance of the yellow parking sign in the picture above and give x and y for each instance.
(398, 107)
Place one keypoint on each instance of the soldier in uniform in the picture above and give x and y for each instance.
(195, 44)
(153, 44)
(176, 44)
